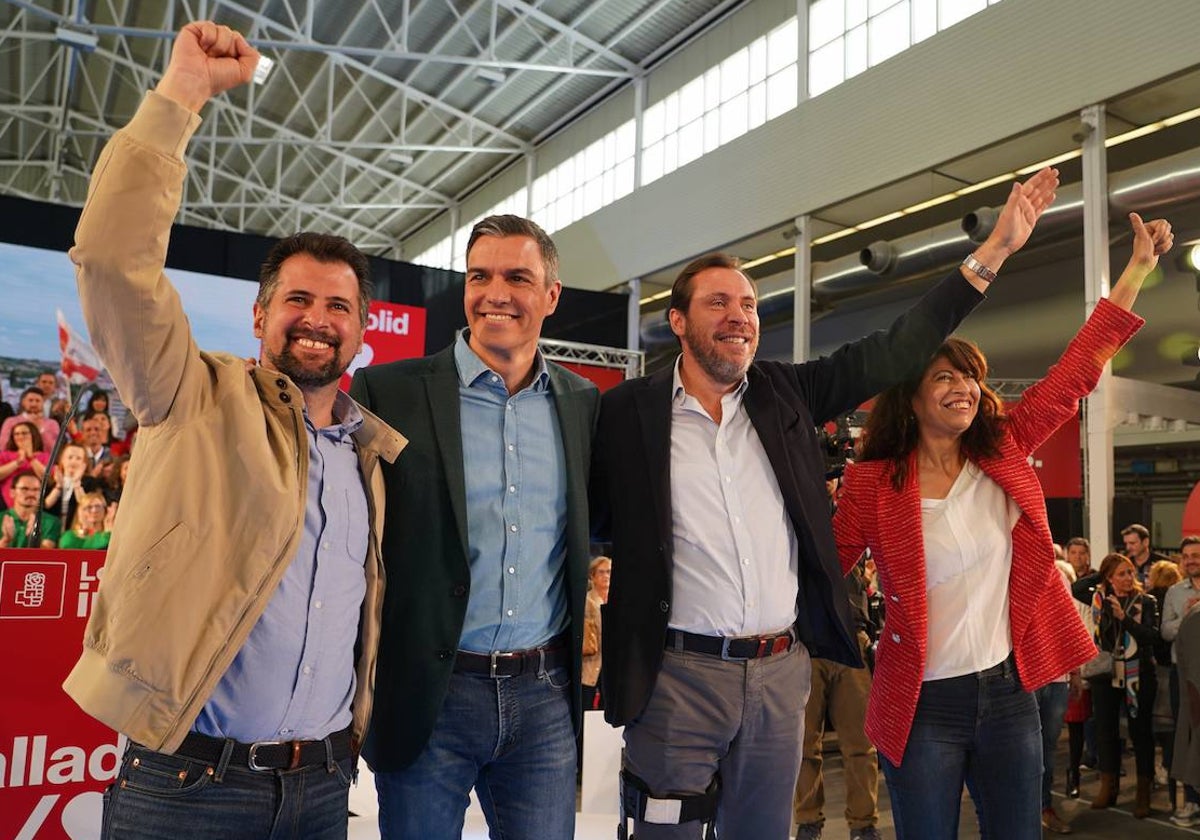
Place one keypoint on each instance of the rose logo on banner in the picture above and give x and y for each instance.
(32, 589)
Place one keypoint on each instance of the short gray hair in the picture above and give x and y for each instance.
(508, 225)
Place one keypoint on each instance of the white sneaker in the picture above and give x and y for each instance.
(1187, 816)
(1160, 775)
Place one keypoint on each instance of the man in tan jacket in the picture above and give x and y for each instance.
(235, 632)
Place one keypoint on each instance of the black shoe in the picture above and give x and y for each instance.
(1072, 784)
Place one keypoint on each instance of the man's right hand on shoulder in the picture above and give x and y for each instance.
(207, 59)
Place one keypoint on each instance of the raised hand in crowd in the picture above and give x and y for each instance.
(206, 59)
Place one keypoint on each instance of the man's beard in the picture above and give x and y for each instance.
(304, 375)
(709, 357)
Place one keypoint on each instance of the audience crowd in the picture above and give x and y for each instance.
(77, 494)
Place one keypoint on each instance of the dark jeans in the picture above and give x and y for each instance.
(509, 738)
(1052, 705)
(1107, 704)
(981, 730)
(165, 797)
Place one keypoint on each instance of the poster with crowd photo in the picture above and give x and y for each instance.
(38, 284)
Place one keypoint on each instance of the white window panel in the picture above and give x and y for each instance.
(593, 196)
(924, 19)
(735, 75)
(593, 161)
(671, 154)
(782, 46)
(781, 93)
(826, 21)
(826, 68)
(878, 7)
(652, 163)
(712, 131)
(539, 192)
(691, 100)
(653, 124)
(607, 181)
(691, 142)
(626, 137)
(671, 113)
(888, 33)
(758, 106)
(757, 54)
(735, 115)
(856, 51)
(623, 179)
(712, 88)
(856, 13)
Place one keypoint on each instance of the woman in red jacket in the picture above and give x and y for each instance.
(947, 501)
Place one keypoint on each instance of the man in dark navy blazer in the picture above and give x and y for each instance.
(486, 552)
(708, 480)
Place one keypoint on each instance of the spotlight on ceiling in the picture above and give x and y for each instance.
(80, 39)
(400, 158)
(490, 75)
(1191, 257)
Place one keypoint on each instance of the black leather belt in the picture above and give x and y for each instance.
(726, 647)
(267, 755)
(513, 663)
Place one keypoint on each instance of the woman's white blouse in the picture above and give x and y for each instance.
(968, 558)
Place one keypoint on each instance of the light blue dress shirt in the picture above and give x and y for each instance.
(516, 484)
(294, 679)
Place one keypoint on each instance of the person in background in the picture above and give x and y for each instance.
(71, 481)
(1181, 599)
(1137, 548)
(16, 523)
(93, 524)
(1052, 699)
(1127, 628)
(24, 453)
(599, 574)
(1163, 575)
(32, 403)
(944, 495)
(1079, 555)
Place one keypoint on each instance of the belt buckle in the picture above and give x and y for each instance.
(497, 655)
(725, 651)
(252, 760)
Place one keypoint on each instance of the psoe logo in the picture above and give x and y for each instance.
(32, 589)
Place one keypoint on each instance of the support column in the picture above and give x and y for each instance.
(1097, 411)
(633, 317)
(802, 300)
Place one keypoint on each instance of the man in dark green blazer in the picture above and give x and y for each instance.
(486, 551)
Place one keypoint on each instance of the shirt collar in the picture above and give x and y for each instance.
(678, 392)
(347, 419)
(471, 368)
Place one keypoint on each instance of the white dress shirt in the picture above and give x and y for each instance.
(735, 560)
(968, 559)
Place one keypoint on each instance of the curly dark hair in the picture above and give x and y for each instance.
(892, 431)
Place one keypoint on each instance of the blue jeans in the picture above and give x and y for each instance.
(979, 729)
(509, 738)
(165, 797)
(1052, 705)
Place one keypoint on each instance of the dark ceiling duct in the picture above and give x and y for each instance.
(1171, 180)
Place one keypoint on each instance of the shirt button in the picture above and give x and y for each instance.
(308, 669)
(325, 546)
(508, 407)
(728, 479)
(896, 638)
(512, 570)
(318, 604)
(281, 383)
(896, 599)
(512, 488)
(512, 528)
(285, 732)
(495, 378)
(511, 447)
(285, 397)
(745, 561)
(737, 519)
(510, 612)
(664, 606)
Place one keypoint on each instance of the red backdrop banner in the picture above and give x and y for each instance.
(55, 761)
